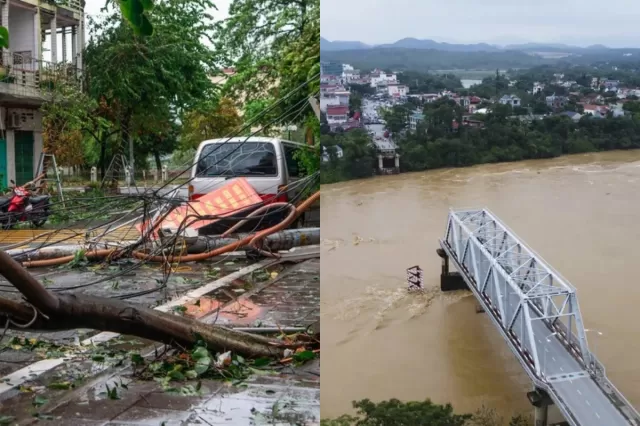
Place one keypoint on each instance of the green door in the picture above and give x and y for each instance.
(3, 164)
(24, 157)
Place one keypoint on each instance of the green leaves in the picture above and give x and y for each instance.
(4, 38)
(39, 401)
(134, 12)
(203, 360)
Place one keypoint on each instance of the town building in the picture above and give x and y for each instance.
(416, 117)
(381, 78)
(512, 100)
(537, 87)
(556, 102)
(337, 114)
(597, 111)
(26, 79)
(339, 97)
(330, 68)
(396, 90)
(575, 116)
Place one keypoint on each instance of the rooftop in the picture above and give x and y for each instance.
(337, 110)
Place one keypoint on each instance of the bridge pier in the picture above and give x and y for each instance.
(540, 401)
(450, 281)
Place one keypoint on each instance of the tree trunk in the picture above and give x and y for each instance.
(156, 154)
(103, 156)
(72, 311)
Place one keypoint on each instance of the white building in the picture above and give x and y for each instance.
(337, 98)
(512, 100)
(396, 90)
(537, 88)
(382, 78)
(25, 78)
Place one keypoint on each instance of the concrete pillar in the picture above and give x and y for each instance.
(540, 401)
(64, 44)
(4, 21)
(11, 156)
(80, 42)
(4, 13)
(380, 162)
(38, 145)
(397, 161)
(540, 415)
(37, 39)
(54, 39)
(94, 174)
(74, 44)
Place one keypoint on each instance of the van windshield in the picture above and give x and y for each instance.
(238, 159)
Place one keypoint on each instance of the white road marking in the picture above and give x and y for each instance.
(580, 393)
(553, 358)
(588, 403)
(597, 415)
(561, 369)
(546, 350)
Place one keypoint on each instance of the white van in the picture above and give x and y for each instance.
(268, 164)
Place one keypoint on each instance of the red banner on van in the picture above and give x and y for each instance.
(234, 196)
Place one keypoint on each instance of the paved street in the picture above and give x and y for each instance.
(287, 395)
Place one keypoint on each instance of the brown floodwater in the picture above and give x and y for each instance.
(581, 213)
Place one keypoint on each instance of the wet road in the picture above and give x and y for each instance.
(579, 212)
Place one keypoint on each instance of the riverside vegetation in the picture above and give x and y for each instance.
(505, 136)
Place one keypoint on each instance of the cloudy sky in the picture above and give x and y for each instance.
(614, 23)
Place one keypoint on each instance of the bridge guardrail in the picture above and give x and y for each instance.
(499, 265)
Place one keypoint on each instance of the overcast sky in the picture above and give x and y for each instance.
(614, 23)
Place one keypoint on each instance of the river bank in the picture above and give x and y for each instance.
(577, 211)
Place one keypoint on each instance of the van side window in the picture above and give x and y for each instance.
(292, 163)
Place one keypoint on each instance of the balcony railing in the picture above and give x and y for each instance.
(74, 5)
(34, 77)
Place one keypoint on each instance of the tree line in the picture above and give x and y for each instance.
(435, 143)
(155, 87)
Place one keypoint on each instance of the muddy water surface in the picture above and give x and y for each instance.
(582, 213)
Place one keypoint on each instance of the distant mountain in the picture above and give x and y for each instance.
(541, 47)
(597, 47)
(401, 58)
(328, 46)
(414, 43)
(428, 44)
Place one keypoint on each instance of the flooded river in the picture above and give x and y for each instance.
(581, 213)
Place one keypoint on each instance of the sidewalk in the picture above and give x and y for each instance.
(290, 395)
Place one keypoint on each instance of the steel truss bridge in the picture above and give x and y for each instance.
(536, 311)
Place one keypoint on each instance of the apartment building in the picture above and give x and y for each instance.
(26, 79)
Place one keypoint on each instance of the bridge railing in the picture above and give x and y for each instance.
(503, 271)
(516, 283)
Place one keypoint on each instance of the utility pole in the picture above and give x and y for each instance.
(314, 104)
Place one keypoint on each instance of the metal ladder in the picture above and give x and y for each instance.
(42, 168)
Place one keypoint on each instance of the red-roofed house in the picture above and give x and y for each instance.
(337, 114)
(595, 110)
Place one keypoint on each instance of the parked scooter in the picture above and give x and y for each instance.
(22, 206)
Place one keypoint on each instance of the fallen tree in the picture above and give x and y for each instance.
(45, 310)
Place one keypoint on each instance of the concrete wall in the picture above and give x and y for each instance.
(11, 156)
(31, 124)
(22, 31)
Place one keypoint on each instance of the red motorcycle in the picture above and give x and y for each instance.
(22, 206)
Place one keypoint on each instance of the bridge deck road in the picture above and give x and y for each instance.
(587, 402)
